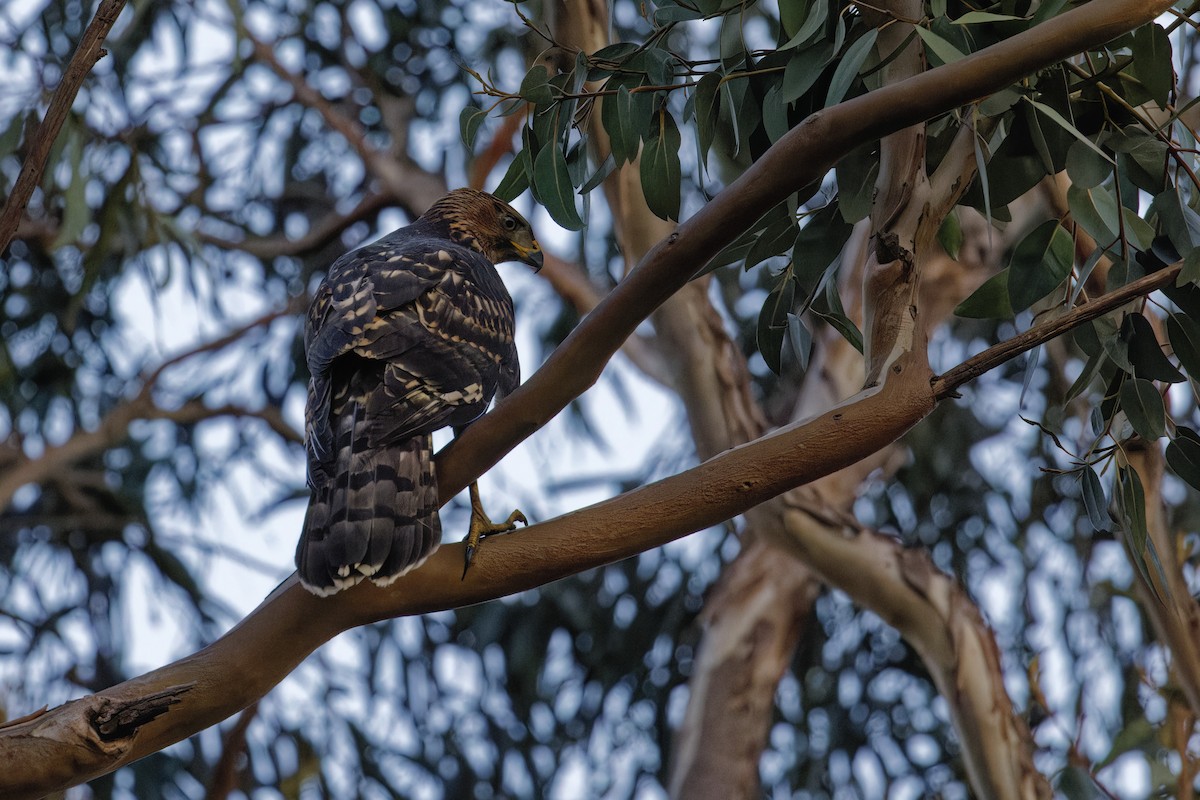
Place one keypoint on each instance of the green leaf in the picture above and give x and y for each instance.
(989, 301)
(1039, 264)
(835, 315)
(1144, 352)
(1177, 219)
(817, 13)
(803, 70)
(1068, 127)
(1085, 168)
(856, 175)
(1096, 211)
(1183, 456)
(950, 234)
(1151, 62)
(800, 339)
(1094, 501)
(515, 180)
(665, 15)
(1133, 511)
(1184, 333)
(1086, 376)
(708, 110)
(1147, 157)
(772, 322)
(975, 17)
(847, 69)
(469, 122)
(818, 248)
(1133, 507)
(660, 171)
(602, 172)
(76, 211)
(941, 48)
(1190, 271)
(554, 187)
(535, 87)
(774, 114)
(776, 239)
(1143, 405)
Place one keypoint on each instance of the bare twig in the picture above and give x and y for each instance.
(86, 55)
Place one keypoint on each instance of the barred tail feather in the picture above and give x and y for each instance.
(375, 516)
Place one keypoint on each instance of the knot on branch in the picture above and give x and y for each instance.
(115, 720)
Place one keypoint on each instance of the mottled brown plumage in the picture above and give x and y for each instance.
(404, 336)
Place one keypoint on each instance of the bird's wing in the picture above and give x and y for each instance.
(432, 324)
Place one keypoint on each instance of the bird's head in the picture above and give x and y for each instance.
(490, 225)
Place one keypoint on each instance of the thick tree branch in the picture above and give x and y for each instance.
(86, 55)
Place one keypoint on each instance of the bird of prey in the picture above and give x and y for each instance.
(404, 336)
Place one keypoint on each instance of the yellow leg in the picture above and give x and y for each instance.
(481, 526)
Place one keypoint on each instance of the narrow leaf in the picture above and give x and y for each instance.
(1094, 501)
(941, 48)
(554, 187)
(848, 67)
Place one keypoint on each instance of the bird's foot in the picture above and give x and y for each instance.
(482, 526)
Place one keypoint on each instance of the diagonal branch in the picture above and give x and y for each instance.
(86, 56)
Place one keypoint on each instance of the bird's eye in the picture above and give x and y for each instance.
(509, 224)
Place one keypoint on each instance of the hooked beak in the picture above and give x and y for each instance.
(530, 255)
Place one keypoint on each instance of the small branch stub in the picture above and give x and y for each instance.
(117, 720)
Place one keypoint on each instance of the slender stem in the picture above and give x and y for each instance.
(946, 384)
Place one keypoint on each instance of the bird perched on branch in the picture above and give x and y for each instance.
(404, 336)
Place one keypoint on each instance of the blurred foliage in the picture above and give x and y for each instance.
(196, 188)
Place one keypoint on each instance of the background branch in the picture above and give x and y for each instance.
(86, 55)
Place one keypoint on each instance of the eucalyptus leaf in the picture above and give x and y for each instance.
(469, 123)
(1145, 353)
(847, 69)
(943, 49)
(989, 301)
(1184, 333)
(660, 171)
(1183, 457)
(803, 70)
(1085, 167)
(554, 187)
(1039, 263)
(1094, 500)
(1151, 62)
(1143, 405)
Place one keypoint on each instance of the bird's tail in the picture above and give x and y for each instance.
(373, 516)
